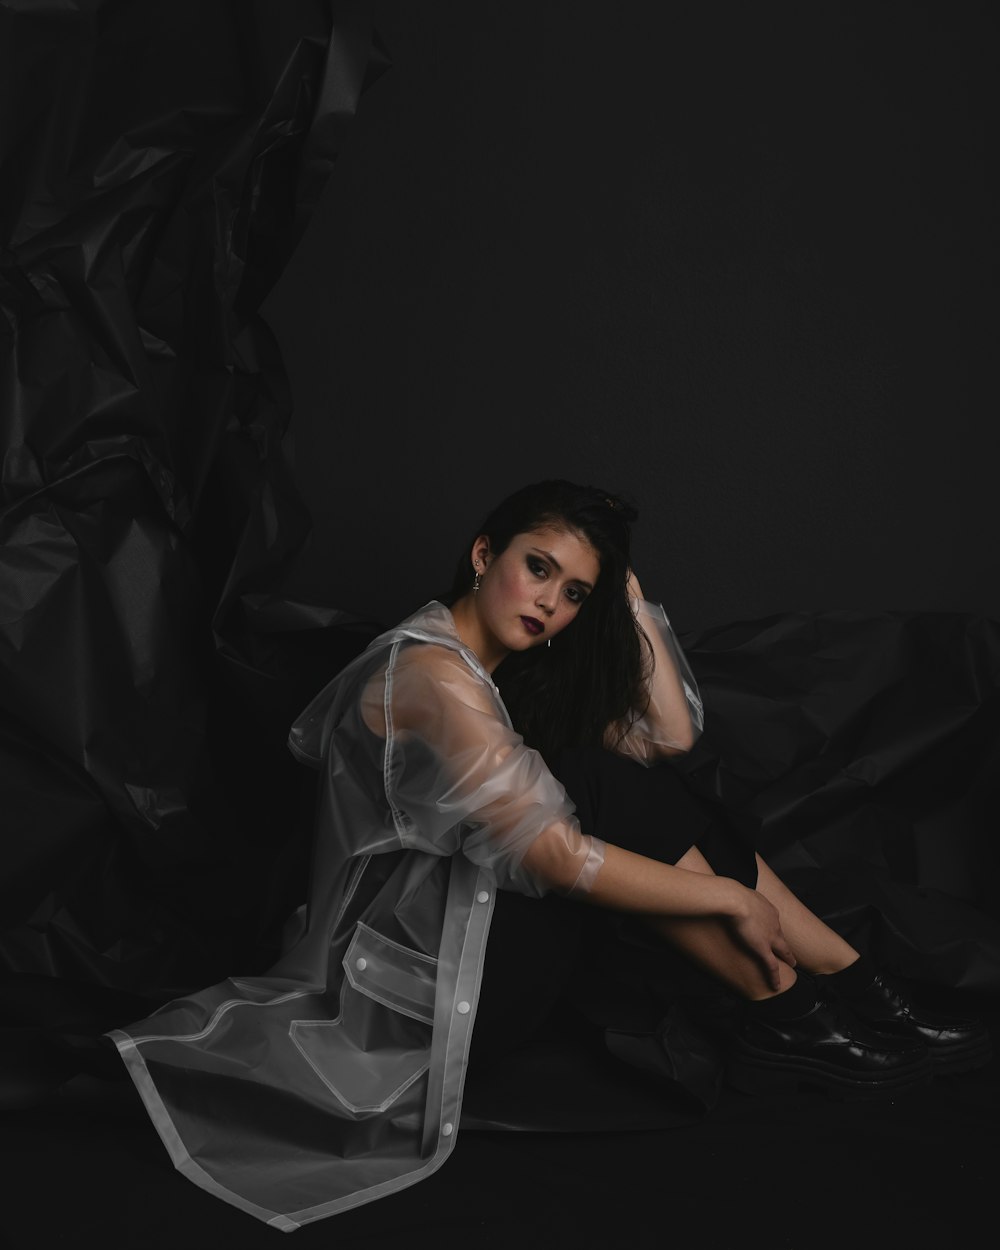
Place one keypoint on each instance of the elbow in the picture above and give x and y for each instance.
(686, 743)
(668, 752)
(680, 745)
(687, 739)
(552, 862)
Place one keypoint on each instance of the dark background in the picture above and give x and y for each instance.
(735, 260)
(292, 293)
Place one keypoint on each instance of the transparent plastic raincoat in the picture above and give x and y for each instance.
(337, 1077)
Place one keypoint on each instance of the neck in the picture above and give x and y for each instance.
(470, 629)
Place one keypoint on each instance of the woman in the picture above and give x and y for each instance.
(562, 552)
(338, 1077)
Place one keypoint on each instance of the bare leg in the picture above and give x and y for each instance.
(806, 1038)
(711, 945)
(817, 947)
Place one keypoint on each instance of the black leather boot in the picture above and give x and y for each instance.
(955, 1043)
(804, 1038)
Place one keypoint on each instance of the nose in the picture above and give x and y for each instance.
(543, 600)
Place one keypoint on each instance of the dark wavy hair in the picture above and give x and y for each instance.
(593, 675)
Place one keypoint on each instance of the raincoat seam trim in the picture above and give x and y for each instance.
(213, 1023)
(398, 816)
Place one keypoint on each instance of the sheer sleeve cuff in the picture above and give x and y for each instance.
(592, 866)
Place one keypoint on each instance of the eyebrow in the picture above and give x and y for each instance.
(551, 558)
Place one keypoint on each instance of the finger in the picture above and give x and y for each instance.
(787, 955)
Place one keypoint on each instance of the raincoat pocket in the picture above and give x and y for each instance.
(381, 1041)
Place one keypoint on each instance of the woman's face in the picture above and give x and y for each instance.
(532, 590)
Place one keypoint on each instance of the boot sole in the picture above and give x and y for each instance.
(761, 1073)
(962, 1059)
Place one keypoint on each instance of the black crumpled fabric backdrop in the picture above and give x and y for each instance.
(159, 165)
(860, 752)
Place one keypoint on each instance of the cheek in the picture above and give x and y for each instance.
(566, 614)
(508, 583)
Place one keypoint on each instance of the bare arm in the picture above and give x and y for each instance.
(627, 882)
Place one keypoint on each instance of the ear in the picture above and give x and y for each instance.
(481, 554)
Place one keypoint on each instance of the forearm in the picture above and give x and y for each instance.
(664, 893)
(628, 882)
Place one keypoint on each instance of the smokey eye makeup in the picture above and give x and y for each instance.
(575, 594)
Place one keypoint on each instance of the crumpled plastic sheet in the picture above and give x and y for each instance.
(159, 164)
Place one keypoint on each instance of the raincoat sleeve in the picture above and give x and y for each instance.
(459, 778)
(674, 716)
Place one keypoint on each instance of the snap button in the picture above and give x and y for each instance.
(447, 1130)
(483, 896)
(361, 965)
(463, 1008)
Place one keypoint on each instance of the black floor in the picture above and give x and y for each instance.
(85, 1167)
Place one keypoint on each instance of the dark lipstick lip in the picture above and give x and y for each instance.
(532, 625)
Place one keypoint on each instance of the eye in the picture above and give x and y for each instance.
(537, 567)
(575, 595)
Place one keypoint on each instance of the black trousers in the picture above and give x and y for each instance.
(545, 953)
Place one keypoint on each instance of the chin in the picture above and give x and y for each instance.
(523, 645)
